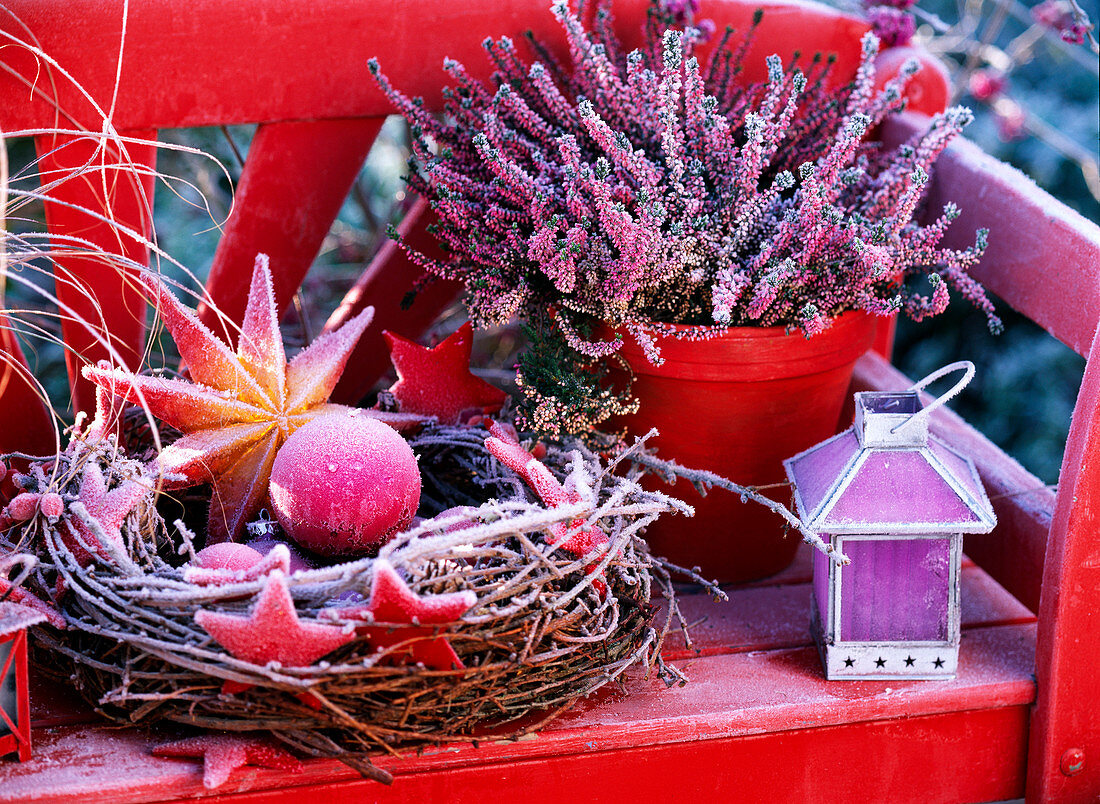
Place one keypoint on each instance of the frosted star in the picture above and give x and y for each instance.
(108, 509)
(224, 754)
(437, 381)
(405, 615)
(272, 632)
(505, 447)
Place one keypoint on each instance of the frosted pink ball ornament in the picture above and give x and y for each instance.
(344, 484)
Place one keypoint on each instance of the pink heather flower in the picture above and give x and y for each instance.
(680, 9)
(1075, 34)
(1011, 120)
(892, 26)
(1060, 16)
(643, 189)
(985, 85)
(813, 322)
(699, 32)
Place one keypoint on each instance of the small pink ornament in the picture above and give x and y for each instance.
(298, 562)
(344, 484)
(228, 556)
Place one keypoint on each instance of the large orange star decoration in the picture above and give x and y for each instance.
(437, 381)
(239, 407)
(405, 619)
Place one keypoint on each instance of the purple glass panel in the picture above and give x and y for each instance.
(821, 586)
(898, 487)
(957, 465)
(815, 472)
(895, 590)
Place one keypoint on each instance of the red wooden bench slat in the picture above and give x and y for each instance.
(294, 182)
(975, 756)
(211, 63)
(103, 298)
(769, 697)
(1067, 716)
(20, 402)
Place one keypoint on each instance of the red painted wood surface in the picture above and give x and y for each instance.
(88, 179)
(295, 179)
(1064, 759)
(207, 63)
(757, 701)
(35, 433)
(19, 737)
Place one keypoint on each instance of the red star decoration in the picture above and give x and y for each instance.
(272, 632)
(437, 382)
(504, 445)
(108, 508)
(223, 754)
(405, 615)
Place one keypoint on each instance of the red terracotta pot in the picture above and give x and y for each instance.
(738, 405)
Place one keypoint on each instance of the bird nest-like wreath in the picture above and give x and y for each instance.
(542, 626)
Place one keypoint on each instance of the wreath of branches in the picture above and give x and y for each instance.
(547, 629)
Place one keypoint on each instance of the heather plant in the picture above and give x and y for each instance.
(631, 191)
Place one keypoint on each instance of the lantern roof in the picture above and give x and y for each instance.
(852, 483)
(15, 617)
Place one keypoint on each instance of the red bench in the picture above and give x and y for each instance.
(758, 719)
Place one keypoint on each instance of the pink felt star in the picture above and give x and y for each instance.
(404, 614)
(109, 509)
(272, 632)
(505, 447)
(223, 754)
(437, 382)
(239, 566)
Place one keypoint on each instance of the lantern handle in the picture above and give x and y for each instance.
(962, 365)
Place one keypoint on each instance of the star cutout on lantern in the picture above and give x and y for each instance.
(107, 509)
(880, 662)
(938, 662)
(272, 632)
(909, 661)
(239, 407)
(403, 616)
(849, 662)
(437, 381)
(223, 754)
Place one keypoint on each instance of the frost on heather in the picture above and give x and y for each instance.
(640, 189)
